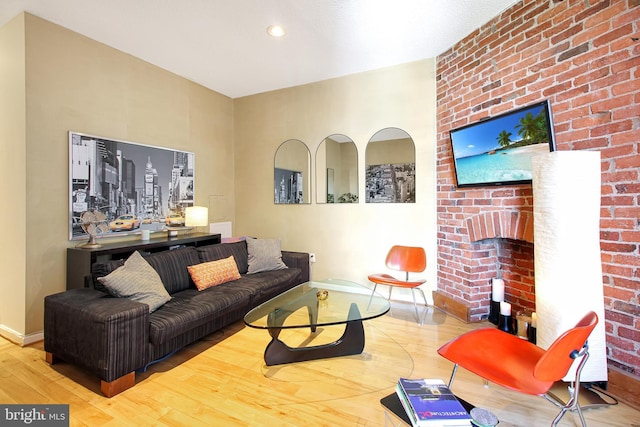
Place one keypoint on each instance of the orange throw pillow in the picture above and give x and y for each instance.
(214, 273)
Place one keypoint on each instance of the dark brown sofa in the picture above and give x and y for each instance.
(114, 337)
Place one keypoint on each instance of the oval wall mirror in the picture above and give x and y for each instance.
(337, 170)
(292, 173)
(390, 162)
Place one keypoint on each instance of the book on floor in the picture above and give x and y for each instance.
(429, 402)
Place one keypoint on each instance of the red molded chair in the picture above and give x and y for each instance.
(408, 259)
(519, 365)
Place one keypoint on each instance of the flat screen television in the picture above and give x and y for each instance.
(498, 150)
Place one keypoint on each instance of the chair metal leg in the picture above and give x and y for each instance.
(574, 404)
(426, 304)
(453, 375)
(375, 285)
(415, 305)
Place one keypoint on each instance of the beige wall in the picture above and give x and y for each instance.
(54, 80)
(75, 83)
(12, 177)
(349, 240)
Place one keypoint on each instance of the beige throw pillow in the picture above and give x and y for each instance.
(137, 281)
(264, 255)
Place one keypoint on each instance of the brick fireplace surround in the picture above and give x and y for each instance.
(584, 56)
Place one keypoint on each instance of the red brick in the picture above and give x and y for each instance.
(609, 104)
(616, 33)
(591, 120)
(625, 137)
(610, 128)
(593, 10)
(623, 88)
(628, 162)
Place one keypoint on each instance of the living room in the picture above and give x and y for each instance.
(56, 80)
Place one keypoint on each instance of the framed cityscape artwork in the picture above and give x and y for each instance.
(131, 186)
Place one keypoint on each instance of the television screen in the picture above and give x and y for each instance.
(498, 150)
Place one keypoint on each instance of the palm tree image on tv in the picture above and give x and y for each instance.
(499, 150)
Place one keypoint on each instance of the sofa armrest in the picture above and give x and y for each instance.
(298, 260)
(107, 335)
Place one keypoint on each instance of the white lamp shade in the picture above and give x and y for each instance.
(568, 266)
(196, 216)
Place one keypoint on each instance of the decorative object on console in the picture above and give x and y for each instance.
(567, 257)
(498, 150)
(93, 223)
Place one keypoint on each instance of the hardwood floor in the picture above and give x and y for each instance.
(222, 381)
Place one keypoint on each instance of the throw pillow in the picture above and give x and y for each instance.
(264, 255)
(137, 281)
(213, 273)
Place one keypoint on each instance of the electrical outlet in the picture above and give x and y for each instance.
(312, 257)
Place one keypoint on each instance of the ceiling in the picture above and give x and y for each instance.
(223, 44)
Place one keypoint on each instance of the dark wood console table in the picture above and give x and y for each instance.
(79, 260)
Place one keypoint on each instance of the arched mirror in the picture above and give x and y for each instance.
(337, 170)
(390, 162)
(292, 173)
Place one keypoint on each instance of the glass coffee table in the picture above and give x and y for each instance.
(329, 302)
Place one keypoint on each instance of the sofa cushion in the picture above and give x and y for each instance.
(172, 267)
(267, 284)
(191, 309)
(225, 250)
(264, 255)
(213, 273)
(138, 281)
(100, 269)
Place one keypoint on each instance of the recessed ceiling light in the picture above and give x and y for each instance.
(275, 30)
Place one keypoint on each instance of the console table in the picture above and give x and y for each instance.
(79, 260)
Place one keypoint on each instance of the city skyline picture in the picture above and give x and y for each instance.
(120, 179)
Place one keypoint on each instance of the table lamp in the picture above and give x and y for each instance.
(196, 216)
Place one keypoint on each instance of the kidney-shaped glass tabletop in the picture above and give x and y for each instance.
(328, 302)
(334, 299)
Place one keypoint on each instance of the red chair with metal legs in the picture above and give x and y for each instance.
(519, 365)
(407, 259)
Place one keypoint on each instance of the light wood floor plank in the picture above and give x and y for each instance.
(222, 380)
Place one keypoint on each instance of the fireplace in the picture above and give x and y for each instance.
(497, 243)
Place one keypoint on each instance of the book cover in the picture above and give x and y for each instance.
(431, 402)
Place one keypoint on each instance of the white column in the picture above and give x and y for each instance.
(568, 267)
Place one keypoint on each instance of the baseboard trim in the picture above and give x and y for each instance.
(624, 386)
(452, 307)
(18, 338)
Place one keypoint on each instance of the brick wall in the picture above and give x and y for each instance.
(584, 56)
